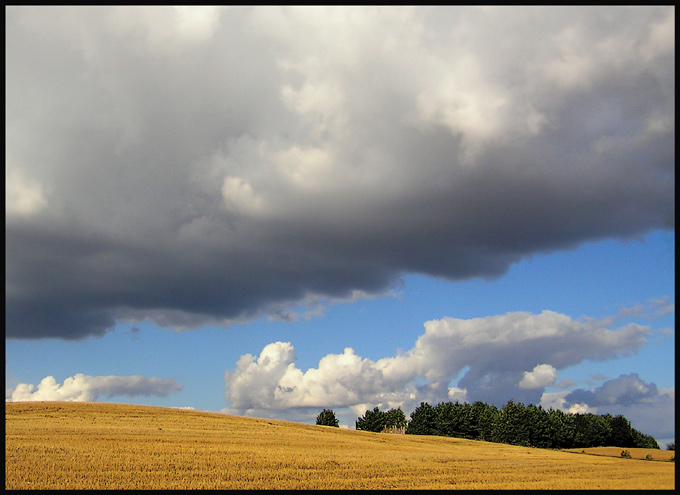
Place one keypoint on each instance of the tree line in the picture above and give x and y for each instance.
(514, 423)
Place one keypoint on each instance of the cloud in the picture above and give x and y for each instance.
(541, 376)
(238, 194)
(204, 167)
(84, 388)
(498, 349)
(485, 357)
(649, 409)
(22, 196)
(653, 416)
(625, 390)
(272, 382)
(458, 360)
(654, 308)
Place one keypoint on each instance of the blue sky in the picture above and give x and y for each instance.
(270, 211)
(598, 279)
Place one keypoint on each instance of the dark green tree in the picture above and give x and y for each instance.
(512, 425)
(454, 420)
(621, 432)
(600, 430)
(540, 428)
(530, 425)
(482, 416)
(374, 420)
(395, 418)
(643, 441)
(468, 421)
(327, 418)
(423, 421)
(592, 430)
(582, 431)
(562, 428)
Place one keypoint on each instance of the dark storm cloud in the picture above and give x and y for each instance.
(198, 167)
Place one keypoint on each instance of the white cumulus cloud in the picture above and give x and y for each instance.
(541, 376)
(492, 354)
(84, 388)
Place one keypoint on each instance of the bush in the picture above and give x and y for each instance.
(327, 418)
(670, 446)
(625, 454)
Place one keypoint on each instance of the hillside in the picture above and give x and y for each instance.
(71, 445)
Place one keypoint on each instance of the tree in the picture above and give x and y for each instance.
(593, 430)
(530, 426)
(395, 418)
(453, 420)
(423, 421)
(327, 418)
(482, 418)
(643, 441)
(540, 431)
(622, 432)
(374, 420)
(562, 427)
(511, 425)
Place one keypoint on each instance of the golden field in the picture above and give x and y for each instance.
(72, 445)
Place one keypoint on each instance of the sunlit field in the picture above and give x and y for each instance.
(70, 445)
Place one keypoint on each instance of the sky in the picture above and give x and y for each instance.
(270, 211)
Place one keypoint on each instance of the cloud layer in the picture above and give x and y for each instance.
(625, 390)
(84, 388)
(492, 359)
(196, 167)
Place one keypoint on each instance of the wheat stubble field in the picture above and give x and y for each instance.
(71, 445)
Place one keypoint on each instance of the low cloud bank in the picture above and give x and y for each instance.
(492, 359)
(84, 388)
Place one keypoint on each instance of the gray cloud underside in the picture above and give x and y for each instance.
(625, 390)
(223, 165)
(649, 409)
